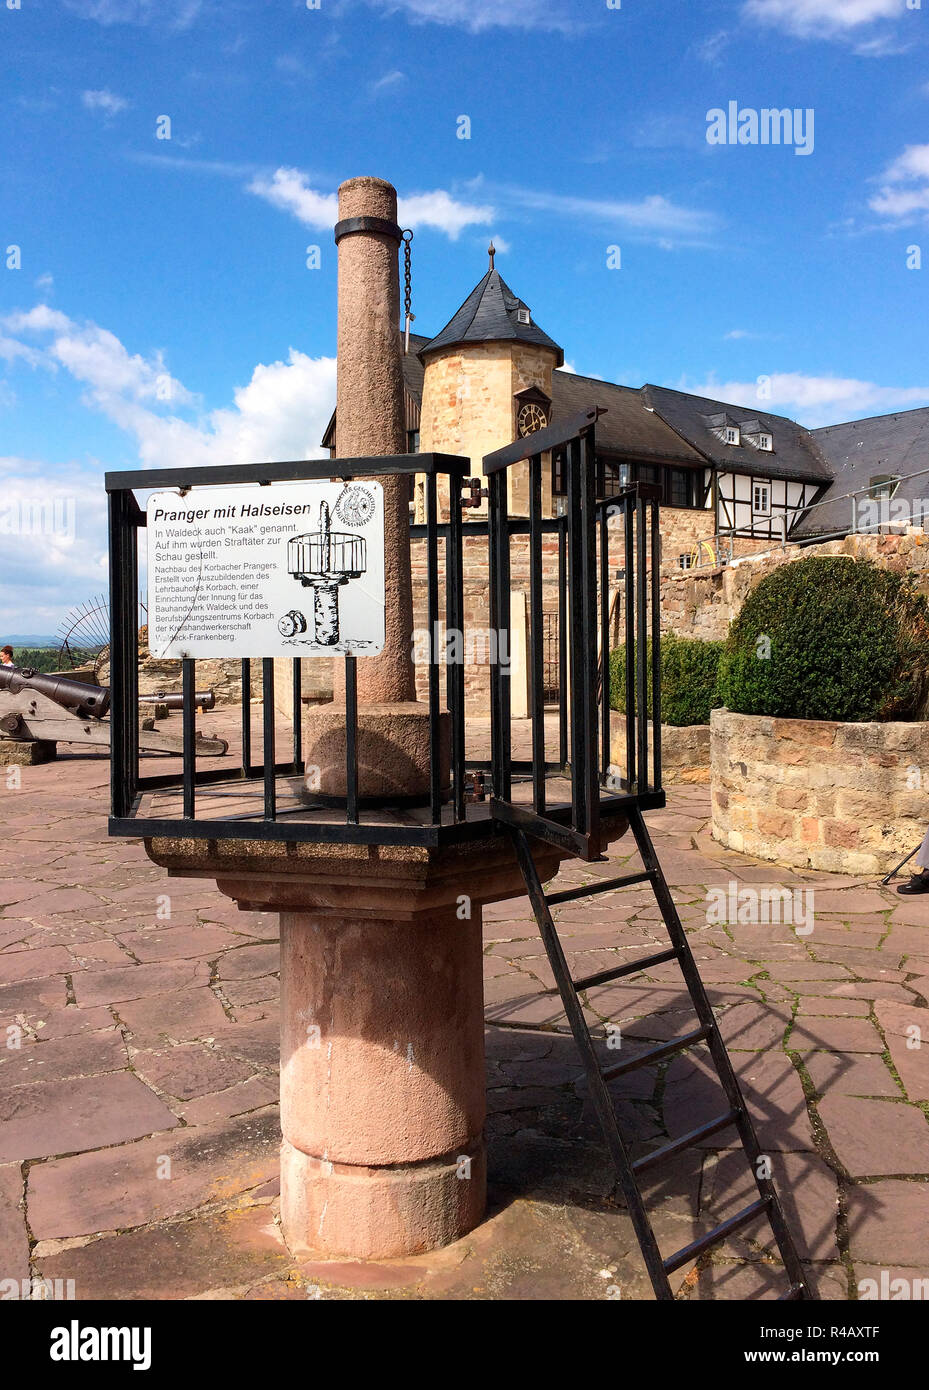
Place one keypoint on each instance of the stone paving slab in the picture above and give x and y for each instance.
(134, 1183)
(888, 1223)
(52, 1117)
(150, 1046)
(14, 1238)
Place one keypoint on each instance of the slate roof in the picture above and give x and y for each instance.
(490, 314)
(628, 428)
(865, 449)
(795, 455)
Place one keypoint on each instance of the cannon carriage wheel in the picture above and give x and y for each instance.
(84, 634)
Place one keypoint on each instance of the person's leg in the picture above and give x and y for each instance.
(919, 882)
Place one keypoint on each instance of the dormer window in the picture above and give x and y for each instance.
(758, 435)
(732, 434)
(523, 316)
(883, 486)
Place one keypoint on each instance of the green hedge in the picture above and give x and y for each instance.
(829, 638)
(689, 670)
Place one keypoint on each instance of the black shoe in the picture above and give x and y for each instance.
(919, 883)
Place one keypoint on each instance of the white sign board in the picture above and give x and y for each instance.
(291, 569)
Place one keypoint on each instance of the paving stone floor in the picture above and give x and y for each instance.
(138, 1119)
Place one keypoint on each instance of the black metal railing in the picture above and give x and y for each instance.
(567, 779)
(446, 811)
(583, 581)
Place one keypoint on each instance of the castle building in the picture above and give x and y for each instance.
(733, 478)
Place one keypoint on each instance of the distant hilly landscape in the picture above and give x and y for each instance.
(28, 639)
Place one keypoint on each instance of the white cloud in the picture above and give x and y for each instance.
(881, 46)
(105, 101)
(389, 82)
(502, 244)
(96, 357)
(711, 49)
(442, 212)
(281, 413)
(289, 190)
(652, 215)
(174, 14)
(904, 186)
(812, 400)
(570, 368)
(45, 282)
(823, 18)
(12, 350)
(53, 533)
(478, 15)
(41, 319)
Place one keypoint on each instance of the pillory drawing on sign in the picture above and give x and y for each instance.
(223, 564)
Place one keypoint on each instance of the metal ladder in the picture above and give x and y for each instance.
(767, 1203)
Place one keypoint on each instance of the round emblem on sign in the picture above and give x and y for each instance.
(355, 506)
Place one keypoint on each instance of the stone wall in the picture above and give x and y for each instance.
(479, 642)
(818, 794)
(703, 604)
(685, 752)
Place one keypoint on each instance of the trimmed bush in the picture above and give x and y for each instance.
(829, 638)
(688, 679)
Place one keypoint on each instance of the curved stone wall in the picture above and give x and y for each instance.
(850, 798)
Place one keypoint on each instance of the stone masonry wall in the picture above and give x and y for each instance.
(704, 604)
(478, 650)
(817, 794)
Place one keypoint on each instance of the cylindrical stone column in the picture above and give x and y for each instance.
(382, 1082)
(393, 740)
(370, 416)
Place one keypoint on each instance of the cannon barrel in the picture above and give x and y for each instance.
(175, 700)
(84, 700)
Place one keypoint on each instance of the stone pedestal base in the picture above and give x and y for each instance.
(392, 751)
(334, 1209)
(382, 1080)
(13, 754)
(382, 1029)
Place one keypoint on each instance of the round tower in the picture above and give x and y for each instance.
(488, 380)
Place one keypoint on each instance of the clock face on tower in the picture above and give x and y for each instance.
(531, 417)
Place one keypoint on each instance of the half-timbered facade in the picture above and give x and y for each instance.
(733, 477)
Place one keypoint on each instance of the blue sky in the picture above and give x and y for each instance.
(163, 312)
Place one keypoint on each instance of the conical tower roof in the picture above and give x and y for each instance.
(491, 313)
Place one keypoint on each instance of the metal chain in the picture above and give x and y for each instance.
(407, 286)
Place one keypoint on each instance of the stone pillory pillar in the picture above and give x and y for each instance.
(370, 417)
(393, 729)
(382, 1041)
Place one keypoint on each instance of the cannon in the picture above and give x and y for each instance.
(173, 699)
(81, 699)
(49, 709)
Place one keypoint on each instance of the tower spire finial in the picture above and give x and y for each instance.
(491, 251)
